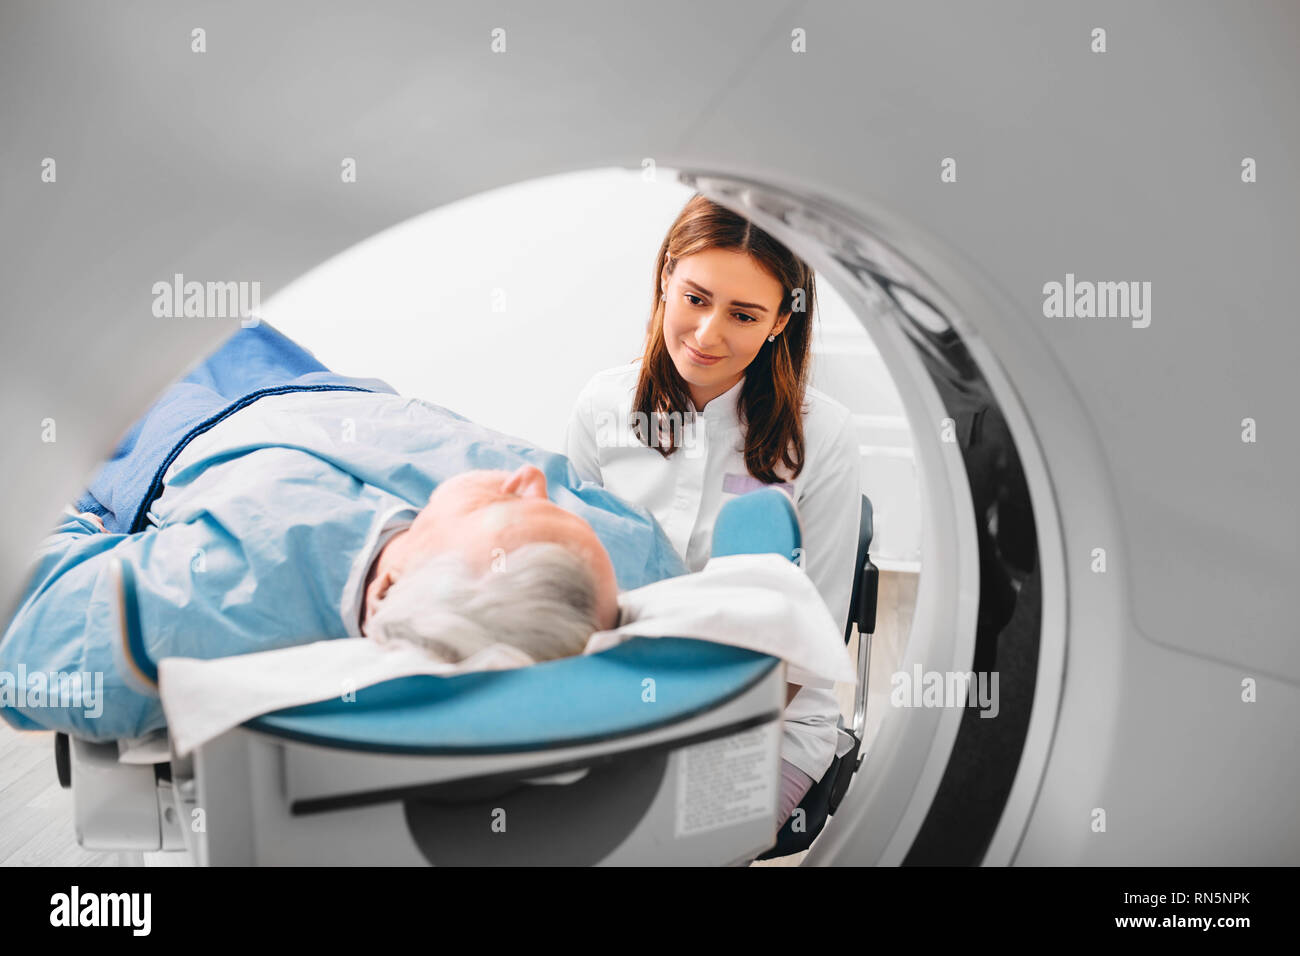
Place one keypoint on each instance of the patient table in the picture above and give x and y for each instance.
(656, 751)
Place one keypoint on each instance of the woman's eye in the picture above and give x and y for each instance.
(696, 300)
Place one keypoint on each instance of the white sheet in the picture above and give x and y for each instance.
(762, 602)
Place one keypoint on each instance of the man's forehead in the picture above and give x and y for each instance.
(479, 479)
(484, 476)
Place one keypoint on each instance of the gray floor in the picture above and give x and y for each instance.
(36, 814)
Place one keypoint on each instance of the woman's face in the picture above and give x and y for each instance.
(719, 308)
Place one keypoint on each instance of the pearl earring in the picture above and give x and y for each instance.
(771, 338)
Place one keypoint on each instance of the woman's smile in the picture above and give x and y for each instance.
(699, 358)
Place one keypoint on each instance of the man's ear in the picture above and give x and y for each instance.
(376, 587)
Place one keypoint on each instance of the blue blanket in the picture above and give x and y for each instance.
(252, 363)
(262, 536)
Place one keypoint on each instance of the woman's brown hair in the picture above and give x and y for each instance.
(772, 395)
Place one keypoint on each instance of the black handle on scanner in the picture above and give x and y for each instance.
(63, 760)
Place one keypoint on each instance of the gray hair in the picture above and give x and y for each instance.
(540, 598)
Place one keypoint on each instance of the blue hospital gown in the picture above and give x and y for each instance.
(262, 537)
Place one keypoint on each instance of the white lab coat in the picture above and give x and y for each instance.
(686, 490)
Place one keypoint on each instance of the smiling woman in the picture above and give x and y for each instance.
(719, 405)
(717, 265)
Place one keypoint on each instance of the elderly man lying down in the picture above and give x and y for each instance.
(265, 502)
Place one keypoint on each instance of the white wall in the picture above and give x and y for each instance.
(847, 365)
(501, 306)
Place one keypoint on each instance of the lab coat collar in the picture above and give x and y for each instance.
(724, 408)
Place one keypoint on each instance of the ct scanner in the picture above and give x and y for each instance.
(1158, 691)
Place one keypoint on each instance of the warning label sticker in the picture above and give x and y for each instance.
(732, 780)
